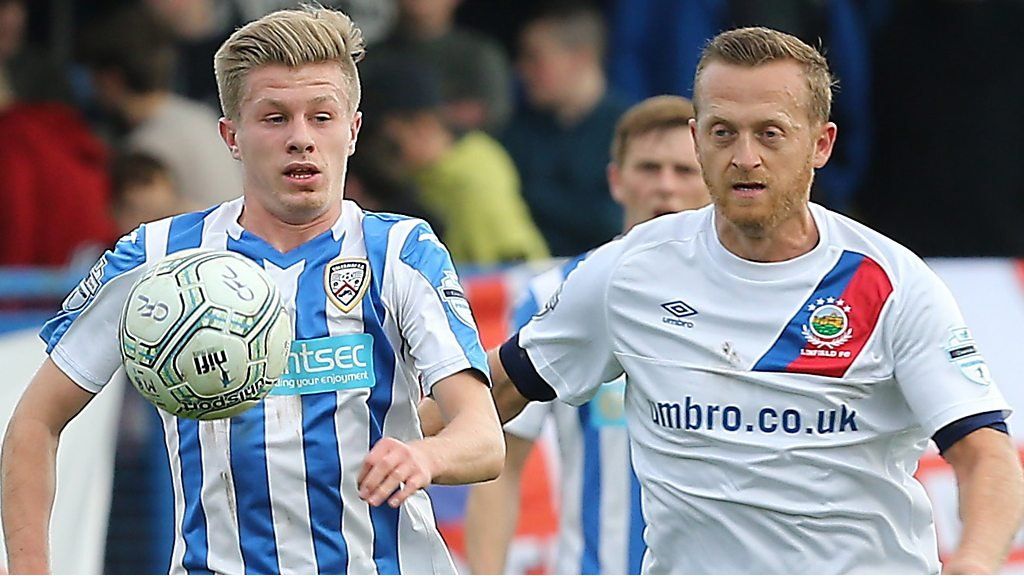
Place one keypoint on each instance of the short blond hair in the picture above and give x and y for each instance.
(307, 35)
(756, 46)
(655, 113)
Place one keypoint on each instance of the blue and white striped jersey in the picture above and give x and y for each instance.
(273, 490)
(600, 524)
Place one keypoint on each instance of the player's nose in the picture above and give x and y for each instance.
(667, 180)
(745, 154)
(300, 139)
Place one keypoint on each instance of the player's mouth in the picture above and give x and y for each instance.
(301, 173)
(748, 189)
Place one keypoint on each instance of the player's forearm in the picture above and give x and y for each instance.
(469, 449)
(28, 484)
(492, 511)
(991, 507)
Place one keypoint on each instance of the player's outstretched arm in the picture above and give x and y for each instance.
(991, 487)
(469, 448)
(492, 511)
(28, 467)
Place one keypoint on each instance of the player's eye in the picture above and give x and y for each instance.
(274, 119)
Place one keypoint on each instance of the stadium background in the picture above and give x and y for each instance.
(929, 119)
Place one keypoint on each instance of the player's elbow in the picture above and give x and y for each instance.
(26, 430)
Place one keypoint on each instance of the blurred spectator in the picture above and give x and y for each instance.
(376, 18)
(26, 73)
(657, 43)
(142, 191)
(377, 185)
(466, 179)
(198, 27)
(476, 77)
(946, 166)
(131, 60)
(559, 140)
(53, 186)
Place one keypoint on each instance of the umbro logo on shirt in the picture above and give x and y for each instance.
(679, 310)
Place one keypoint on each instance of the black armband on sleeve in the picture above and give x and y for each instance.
(522, 373)
(951, 433)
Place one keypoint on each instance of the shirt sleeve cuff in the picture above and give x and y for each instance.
(954, 432)
(524, 376)
(75, 372)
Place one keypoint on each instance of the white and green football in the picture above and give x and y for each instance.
(204, 334)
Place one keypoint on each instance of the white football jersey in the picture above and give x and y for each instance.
(273, 490)
(600, 525)
(776, 411)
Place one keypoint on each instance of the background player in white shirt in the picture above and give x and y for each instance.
(785, 366)
(321, 482)
(654, 171)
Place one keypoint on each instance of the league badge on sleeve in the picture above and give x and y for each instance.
(346, 280)
(451, 293)
(962, 352)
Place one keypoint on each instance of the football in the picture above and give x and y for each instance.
(204, 335)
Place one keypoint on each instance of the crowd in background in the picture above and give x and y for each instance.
(492, 119)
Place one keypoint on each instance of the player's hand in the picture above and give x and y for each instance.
(393, 471)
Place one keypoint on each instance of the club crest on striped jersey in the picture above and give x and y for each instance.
(346, 280)
(829, 323)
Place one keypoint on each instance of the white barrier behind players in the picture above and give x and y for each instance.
(85, 460)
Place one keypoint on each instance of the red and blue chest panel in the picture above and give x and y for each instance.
(829, 331)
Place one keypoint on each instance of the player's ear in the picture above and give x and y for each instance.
(693, 134)
(228, 133)
(826, 139)
(357, 123)
(614, 174)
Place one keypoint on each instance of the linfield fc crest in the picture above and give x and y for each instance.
(830, 329)
(829, 323)
(346, 280)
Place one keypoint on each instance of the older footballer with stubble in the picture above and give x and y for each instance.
(777, 428)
